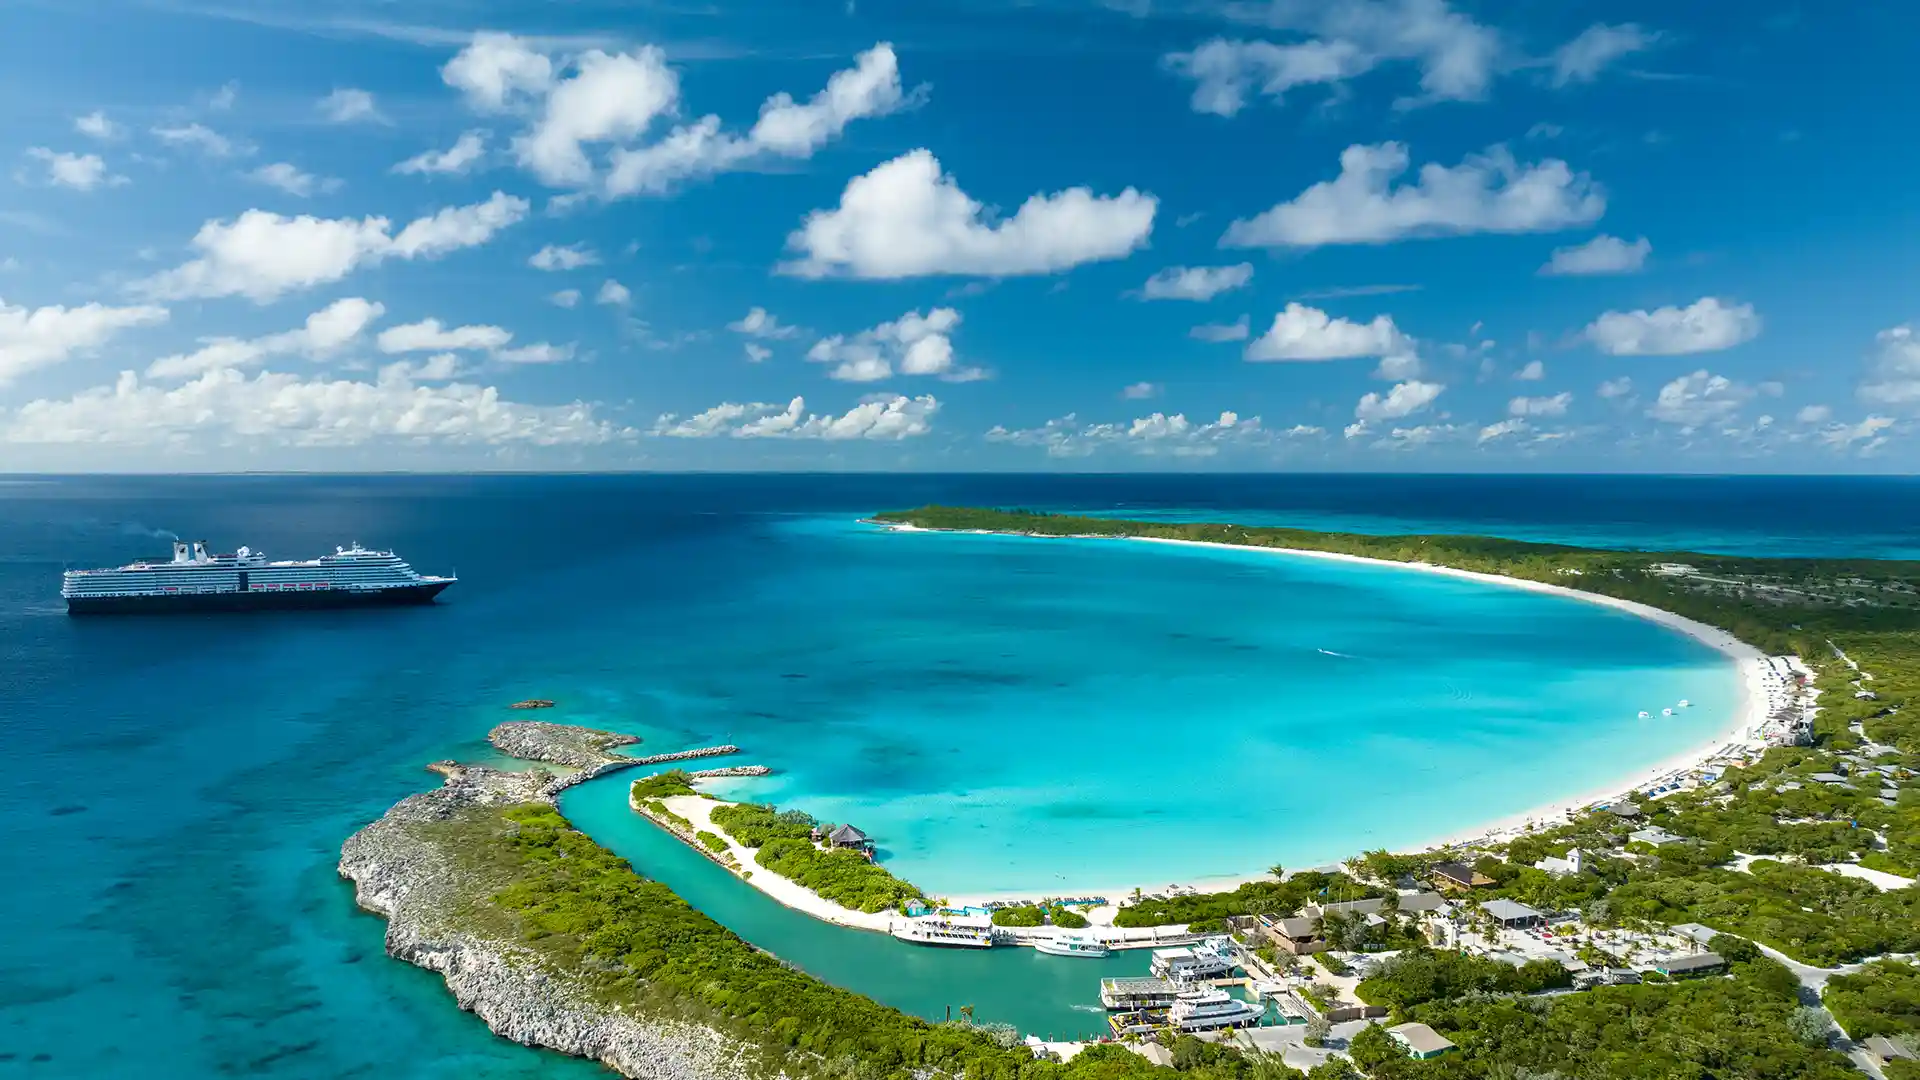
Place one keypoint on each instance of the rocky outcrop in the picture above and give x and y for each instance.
(560, 744)
(405, 867)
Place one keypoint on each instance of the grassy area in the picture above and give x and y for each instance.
(785, 847)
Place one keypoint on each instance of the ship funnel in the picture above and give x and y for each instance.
(179, 552)
(199, 551)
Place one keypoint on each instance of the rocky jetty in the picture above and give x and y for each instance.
(687, 755)
(408, 867)
(731, 770)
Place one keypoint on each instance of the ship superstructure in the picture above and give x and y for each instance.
(196, 579)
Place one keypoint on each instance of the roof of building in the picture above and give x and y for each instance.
(1827, 778)
(1625, 809)
(1652, 834)
(1883, 1048)
(1420, 1038)
(1508, 910)
(1696, 933)
(847, 834)
(1461, 873)
(1696, 962)
(1298, 926)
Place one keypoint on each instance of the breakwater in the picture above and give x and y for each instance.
(685, 755)
(731, 770)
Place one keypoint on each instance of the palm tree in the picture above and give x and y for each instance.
(1279, 872)
(966, 1013)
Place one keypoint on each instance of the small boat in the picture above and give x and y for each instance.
(1210, 959)
(1072, 945)
(1208, 1010)
(1684, 703)
(1666, 712)
(1645, 715)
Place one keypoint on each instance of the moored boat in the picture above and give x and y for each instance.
(956, 932)
(1210, 1010)
(1072, 945)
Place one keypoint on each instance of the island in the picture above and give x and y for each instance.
(1757, 918)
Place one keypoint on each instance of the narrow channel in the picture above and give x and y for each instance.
(1049, 996)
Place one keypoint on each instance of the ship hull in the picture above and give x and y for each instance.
(257, 600)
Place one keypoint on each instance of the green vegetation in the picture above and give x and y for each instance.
(1417, 976)
(662, 785)
(1068, 918)
(659, 810)
(711, 842)
(1253, 898)
(1020, 915)
(786, 847)
(1880, 999)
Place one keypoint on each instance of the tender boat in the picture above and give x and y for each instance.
(1072, 945)
(1210, 1010)
(954, 931)
(1212, 958)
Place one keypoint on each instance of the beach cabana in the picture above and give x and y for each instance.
(846, 836)
(1298, 935)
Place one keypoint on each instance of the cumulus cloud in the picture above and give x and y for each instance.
(1487, 193)
(1158, 434)
(1456, 55)
(224, 407)
(1236, 330)
(35, 338)
(1601, 255)
(756, 353)
(1706, 325)
(1892, 375)
(1501, 430)
(1304, 333)
(428, 335)
(350, 106)
(1867, 432)
(1616, 388)
(1403, 400)
(539, 352)
(1582, 59)
(1533, 371)
(1540, 406)
(81, 172)
(570, 257)
(455, 160)
(913, 344)
(1196, 282)
(1691, 401)
(197, 137)
(613, 294)
(1814, 414)
(593, 114)
(906, 218)
(758, 323)
(95, 125)
(291, 180)
(565, 298)
(324, 333)
(883, 417)
(262, 255)
(1141, 391)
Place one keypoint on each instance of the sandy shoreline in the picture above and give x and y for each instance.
(1743, 731)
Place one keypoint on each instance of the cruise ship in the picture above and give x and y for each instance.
(198, 580)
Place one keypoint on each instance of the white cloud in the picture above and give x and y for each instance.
(497, 70)
(1601, 255)
(223, 98)
(758, 323)
(1399, 367)
(34, 338)
(1868, 431)
(565, 298)
(198, 137)
(1219, 332)
(1224, 72)
(613, 294)
(1457, 56)
(1893, 369)
(95, 125)
(1707, 325)
(884, 417)
(1540, 406)
(1700, 398)
(350, 106)
(1616, 388)
(1534, 371)
(455, 160)
(428, 335)
(325, 332)
(539, 352)
(1814, 414)
(756, 353)
(81, 172)
(611, 97)
(570, 257)
(262, 255)
(1501, 430)
(225, 408)
(1305, 333)
(1195, 282)
(291, 180)
(1141, 391)
(906, 219)
(1158, 434)
(913, 344)
(436, 368)
(1404, 399)
(1490, 193)
(1582, 59)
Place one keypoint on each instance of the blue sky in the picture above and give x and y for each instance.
(957, 234)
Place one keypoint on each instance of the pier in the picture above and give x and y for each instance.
(687, 755)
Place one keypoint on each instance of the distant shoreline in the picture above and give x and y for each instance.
(1749, 714)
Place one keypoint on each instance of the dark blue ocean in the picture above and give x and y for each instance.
(178, 787)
